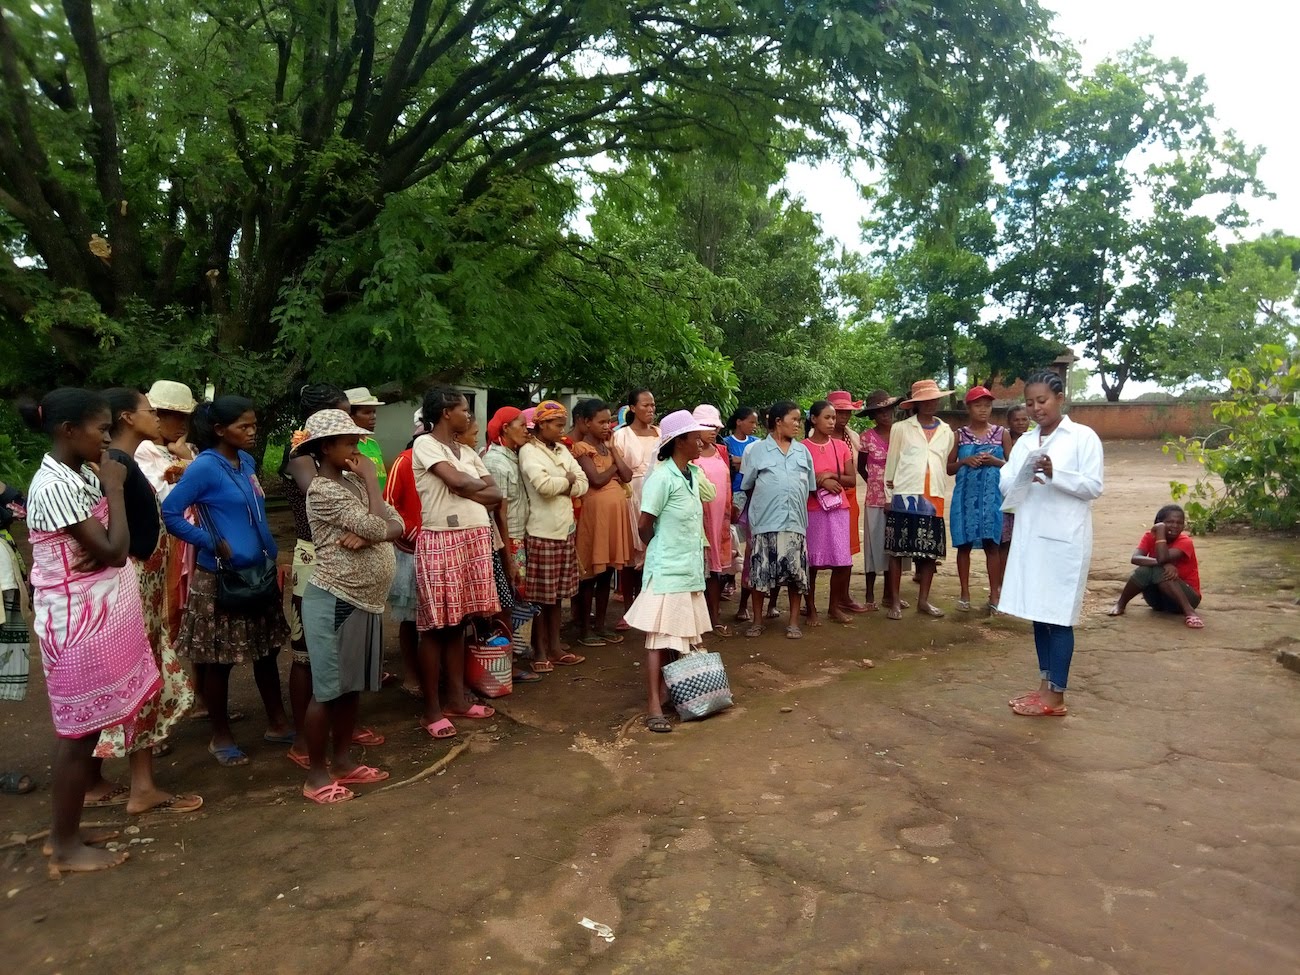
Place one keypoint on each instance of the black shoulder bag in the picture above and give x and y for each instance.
(242, 591)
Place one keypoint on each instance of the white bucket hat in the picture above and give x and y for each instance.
(675, 424)
(329, 423)
(171, 396)
(361, 396)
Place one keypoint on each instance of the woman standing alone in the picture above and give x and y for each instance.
(1052, 547)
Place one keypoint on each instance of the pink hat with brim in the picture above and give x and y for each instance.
(926, 389)
(708, 415)
(843, 400)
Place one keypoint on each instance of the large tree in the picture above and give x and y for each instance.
(250, 192)
(1112, 209)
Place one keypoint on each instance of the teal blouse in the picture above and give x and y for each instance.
(674, 559)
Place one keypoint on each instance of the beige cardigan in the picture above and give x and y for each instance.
(910, 454)
(550, 509)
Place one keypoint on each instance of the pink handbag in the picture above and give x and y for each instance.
(829, 500)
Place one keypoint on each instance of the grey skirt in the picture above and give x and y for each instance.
(778, 559)
(345, 644)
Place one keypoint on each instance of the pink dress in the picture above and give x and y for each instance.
(99, 669)
(717, 513)
(829, 542)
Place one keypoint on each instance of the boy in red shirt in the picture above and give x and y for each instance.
(1167, 575)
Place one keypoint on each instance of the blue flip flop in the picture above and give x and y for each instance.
(229, 755)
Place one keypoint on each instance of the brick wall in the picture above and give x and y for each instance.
(1130, 421)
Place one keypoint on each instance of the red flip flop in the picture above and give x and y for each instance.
(1194, 622)
(568, 660)
(1037, 709)
(367, 737)
(1031, 696)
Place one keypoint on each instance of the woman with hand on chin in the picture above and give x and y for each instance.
(343, 604)
(1048, 566)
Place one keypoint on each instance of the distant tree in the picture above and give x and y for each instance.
(1112, 207)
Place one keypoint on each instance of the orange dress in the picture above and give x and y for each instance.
(604, 536)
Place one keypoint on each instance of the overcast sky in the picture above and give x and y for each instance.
(1246, 49)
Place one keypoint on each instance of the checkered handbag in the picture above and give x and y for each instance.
(697, 685)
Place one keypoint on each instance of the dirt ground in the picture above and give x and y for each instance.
(838, 819)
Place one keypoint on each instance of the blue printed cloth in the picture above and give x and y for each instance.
(977, 500)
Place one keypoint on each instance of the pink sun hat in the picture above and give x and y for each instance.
(675, 424)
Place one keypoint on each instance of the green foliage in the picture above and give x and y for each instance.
(1112, 206)
(1257, 466)
(254, 194)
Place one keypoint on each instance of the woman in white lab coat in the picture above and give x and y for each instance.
(1047, 568)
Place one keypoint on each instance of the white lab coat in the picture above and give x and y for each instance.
(1051, 548)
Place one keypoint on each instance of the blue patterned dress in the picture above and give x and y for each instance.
(976, 499)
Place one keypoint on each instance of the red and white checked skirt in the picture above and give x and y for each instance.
(552, 569)
(453, 577)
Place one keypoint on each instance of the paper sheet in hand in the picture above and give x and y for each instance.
(1019, 489)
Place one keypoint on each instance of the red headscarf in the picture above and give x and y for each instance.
(499, 420)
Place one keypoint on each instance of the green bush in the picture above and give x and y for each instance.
(1253, 465)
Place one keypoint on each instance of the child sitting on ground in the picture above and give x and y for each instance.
(1167, 574)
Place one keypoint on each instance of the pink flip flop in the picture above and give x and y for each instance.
(362, 775)
(1194, 622)
(473, 711)
(328, 795)
(367, 737)
(441, 728)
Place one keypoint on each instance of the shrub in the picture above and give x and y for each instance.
(1256, 458)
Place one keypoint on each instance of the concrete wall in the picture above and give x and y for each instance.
(1131, 421)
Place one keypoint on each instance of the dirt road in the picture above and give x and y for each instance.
(838, 820)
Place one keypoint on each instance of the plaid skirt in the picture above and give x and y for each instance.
(552, 569)
(453, 577)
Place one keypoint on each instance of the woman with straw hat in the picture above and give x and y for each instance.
(917, 482)
(343, 603)
(671, 608)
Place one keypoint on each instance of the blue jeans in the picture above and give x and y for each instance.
(1055, 646)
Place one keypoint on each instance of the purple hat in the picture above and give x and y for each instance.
(675, 424)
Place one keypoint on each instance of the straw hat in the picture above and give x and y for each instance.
(675, 424)
(361, 396)
(171, 396)
(925, 389)
(329, 423)
(708, 416)
(843, 400)
(877, 400)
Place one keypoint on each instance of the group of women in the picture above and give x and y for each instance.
(556, 508)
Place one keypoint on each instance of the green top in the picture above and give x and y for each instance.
(674, 559)
(370, 448)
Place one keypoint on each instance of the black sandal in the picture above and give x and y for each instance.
(658, 723)
(16, 783)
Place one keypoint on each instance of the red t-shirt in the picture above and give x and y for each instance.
(400, 492)
(1188, 571)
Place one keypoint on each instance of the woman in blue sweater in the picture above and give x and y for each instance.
(221, 487)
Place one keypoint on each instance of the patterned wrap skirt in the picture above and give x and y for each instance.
(304, 561)
(552, 568)
(778, 559)
(160, 714)
(829, 536)
(505, 591)
(453, 577)
(15, 647)
(212, 636)
(345, 643)
(915, 536)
